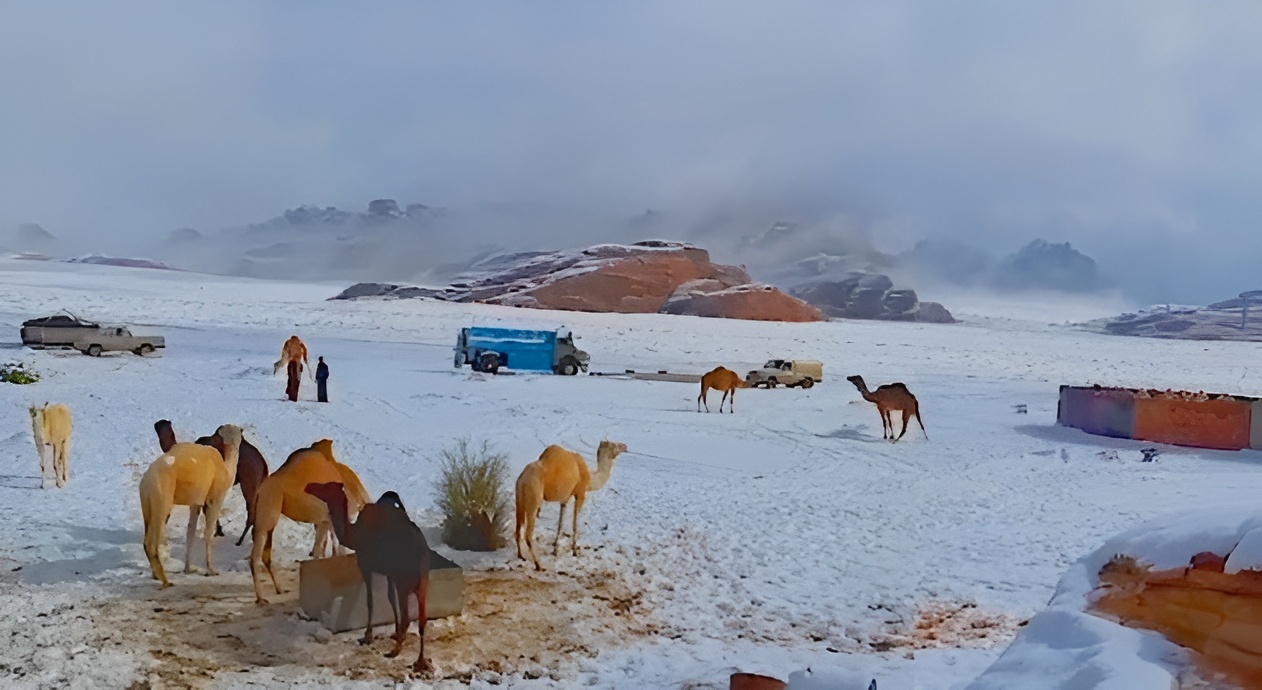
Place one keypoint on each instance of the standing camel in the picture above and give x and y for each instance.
(890, 397)
(188, 475)
(251, 468)
(385, 541)
(721, 379)
(282, 493)
(293, 350)
(556, 477)
(51, 427)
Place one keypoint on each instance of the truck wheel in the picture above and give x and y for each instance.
(144, 349)
(94, 350)
(568, 367)
(771, 382)
(490, 362)
(807, 383)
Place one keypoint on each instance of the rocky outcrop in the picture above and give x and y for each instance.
(1048, 266)
(755, 301)
(1224, 320)
(30, 237)
(100, 260)
(870, 296)
(640, 278)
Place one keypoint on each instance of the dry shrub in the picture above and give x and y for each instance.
(472, 494)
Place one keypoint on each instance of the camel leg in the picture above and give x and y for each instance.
(904, 415)
(212, 518)
(321, 540)
(530, 537)
(155, 531)
(731, 402)
(578, 505)
(702, 399)
(556, 543)
(47, 466)
(401, 624)
(191, 537)
(59, 462)
(261, 558)
(886, 425)
(422, 664)
(367, 638)
(267, 563)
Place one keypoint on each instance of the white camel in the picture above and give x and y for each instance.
(51, 427)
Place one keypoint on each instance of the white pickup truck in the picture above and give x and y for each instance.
(786, 372)
(117, 339)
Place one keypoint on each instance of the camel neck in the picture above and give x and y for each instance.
(341, 523)
(604, 467)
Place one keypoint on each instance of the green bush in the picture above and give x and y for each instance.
(15, 372)
(473, 496)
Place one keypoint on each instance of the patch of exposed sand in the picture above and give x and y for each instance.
(514, 622)
(941, 624)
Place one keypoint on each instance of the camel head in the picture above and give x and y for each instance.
(390, 498)
(610, 449)
(230, 434)
(37, 425)
(162, 426)
(858, 382)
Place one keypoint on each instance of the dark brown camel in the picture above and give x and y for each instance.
(385, 541)
(890, 397)
(720, 379)
(251, 468)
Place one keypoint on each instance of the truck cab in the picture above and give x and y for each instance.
(789, 372)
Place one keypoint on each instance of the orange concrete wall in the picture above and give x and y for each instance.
(1220, 424)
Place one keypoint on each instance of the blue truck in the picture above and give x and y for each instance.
(488, 349)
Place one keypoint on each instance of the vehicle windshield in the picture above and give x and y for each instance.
(773, 364)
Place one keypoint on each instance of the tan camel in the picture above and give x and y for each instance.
(721, 379)
(51, 427)
(190, 475)
(556, 477)
(890, 397)
(293, 349)
(284, 493)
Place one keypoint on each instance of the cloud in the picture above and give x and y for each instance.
(1130, 129)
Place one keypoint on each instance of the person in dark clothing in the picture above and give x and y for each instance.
(322, 381)
(294, 371)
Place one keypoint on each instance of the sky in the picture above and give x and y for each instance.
(1131, 129)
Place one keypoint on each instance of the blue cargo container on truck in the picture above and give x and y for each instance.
(488, 349)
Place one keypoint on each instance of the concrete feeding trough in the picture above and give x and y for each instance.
(331, 591)
(1181, 418)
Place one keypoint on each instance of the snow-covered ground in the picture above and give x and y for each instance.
(783, 536)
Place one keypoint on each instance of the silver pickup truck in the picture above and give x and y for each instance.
(117, 339)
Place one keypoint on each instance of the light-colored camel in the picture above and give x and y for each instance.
(720, 379)
(284, 493)
(293, 349)
(190, 475)
(51, 427)
(890, 397)
(556, 477)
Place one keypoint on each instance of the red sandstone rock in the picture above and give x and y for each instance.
(753, 301)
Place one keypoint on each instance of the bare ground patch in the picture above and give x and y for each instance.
(513, 622)
(941, 624)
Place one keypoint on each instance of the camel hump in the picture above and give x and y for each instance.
(324, 447)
